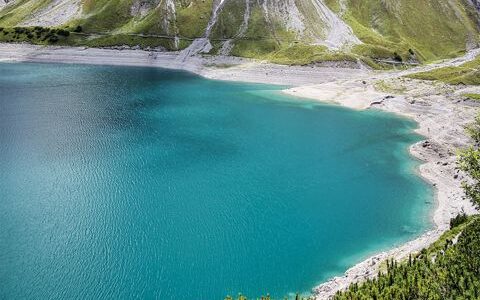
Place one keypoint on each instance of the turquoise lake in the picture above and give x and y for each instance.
(126, 182)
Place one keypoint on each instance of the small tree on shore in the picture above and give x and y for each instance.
(469, 162)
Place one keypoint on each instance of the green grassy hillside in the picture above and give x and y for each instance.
(285, 31)
(432, 29)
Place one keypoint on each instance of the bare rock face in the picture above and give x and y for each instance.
(476, 3)
(4, 2)
(142, 7)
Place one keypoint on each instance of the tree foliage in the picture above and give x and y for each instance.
(470, 163)
(449, 273)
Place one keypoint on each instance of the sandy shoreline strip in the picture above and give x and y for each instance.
(440, 110)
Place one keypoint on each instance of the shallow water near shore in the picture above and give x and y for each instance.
(124, 182)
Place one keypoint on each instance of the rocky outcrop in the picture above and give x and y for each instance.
(3, 3)
(476, 3)
(140, 8)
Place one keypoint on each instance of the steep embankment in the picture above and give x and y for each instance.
(284, 31)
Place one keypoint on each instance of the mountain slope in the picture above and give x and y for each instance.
(379, 29)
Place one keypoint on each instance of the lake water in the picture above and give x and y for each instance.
(124, 182)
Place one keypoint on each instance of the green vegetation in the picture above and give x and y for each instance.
(475, 97)
(470, 163)
(443, 271)
(432, 29)
(406, 31)
(392, 32)
(258, 40)
(301, 54)
(230, 20)
(467, 73)
(19, 11)
(386, 87)
(35, 35)
(448, 269)
(128, 40)
(104, 15)
(458, 220)
(193, 19)
(74, 37)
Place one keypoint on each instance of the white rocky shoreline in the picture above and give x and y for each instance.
(439, 109)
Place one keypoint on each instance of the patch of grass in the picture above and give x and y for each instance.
(302, 54)
(104, 15)
(297, 54)
(13, 14)
(468, 73)
(128, 40)
(431, 28)
(334, 5)
(220, 65)
(257, 49)
(398, 53)
(229, 20)
(193, 19)
(268, 38)
(475, 97)
(386, 87)
(259, 39)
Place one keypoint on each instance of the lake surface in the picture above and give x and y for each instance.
(122, 182)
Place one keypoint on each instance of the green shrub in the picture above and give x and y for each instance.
(63, 32)
(397, 57)
(458, 220)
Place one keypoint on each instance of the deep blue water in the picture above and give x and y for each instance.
(120, 183)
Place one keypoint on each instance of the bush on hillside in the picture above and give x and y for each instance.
(63, 32)
(458, 220)
(397, 57)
